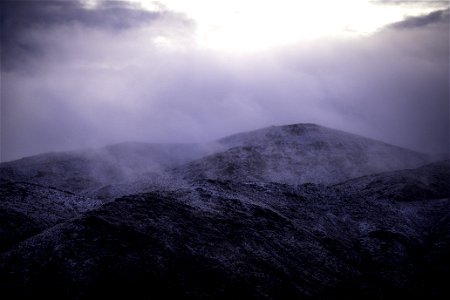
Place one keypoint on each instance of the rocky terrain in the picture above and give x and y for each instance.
(27, 209)
(288, 212)
(299, 153)
(85, 171)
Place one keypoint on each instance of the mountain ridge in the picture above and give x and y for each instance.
(298, 211)
(258, 240)
(301, 153)
(245, 155)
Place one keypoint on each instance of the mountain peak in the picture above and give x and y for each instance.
(271, 133)
(295, 154)
(300, 134)
(300, 153)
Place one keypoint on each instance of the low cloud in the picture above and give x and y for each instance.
(85, 78)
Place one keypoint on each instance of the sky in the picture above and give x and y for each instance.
(81, 74)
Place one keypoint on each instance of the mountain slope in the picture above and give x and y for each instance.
(298, 154)
(291, 154)
(84, 172)
(278, 213)
(431, 181)
(224, 239)
(27, 209)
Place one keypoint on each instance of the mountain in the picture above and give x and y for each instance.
(27, 209)
(285, 212)
(86, 171)
(427, 182)
(298, 154)
(224, 239)
(291, 154)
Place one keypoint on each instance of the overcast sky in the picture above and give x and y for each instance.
(90, 73)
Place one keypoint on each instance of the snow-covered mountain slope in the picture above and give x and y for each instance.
(278, 213)
(291, 154)
(27, 209)
(226, 239)
(431, 181)
(297, 154)
(84, 172)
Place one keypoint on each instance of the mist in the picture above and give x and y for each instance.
(74, 78)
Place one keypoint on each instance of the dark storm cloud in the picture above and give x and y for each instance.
(19, 18)
(86, 83)
(20, 15)
(440, 17)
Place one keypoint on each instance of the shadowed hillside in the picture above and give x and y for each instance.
(288, 212)
(300, 153)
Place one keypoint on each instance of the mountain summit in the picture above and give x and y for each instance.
(293, 154)
(300, 153)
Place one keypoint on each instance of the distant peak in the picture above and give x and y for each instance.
(297, 125)
(300, 128)
(303, 125)
(274, 134)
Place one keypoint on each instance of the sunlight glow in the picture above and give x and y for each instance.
(89, 4)
(251, 25)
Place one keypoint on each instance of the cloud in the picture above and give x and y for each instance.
(436, 17)
(20, 15)
(392, 86)
(25, 24)
(78, 82)
(422, 2)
